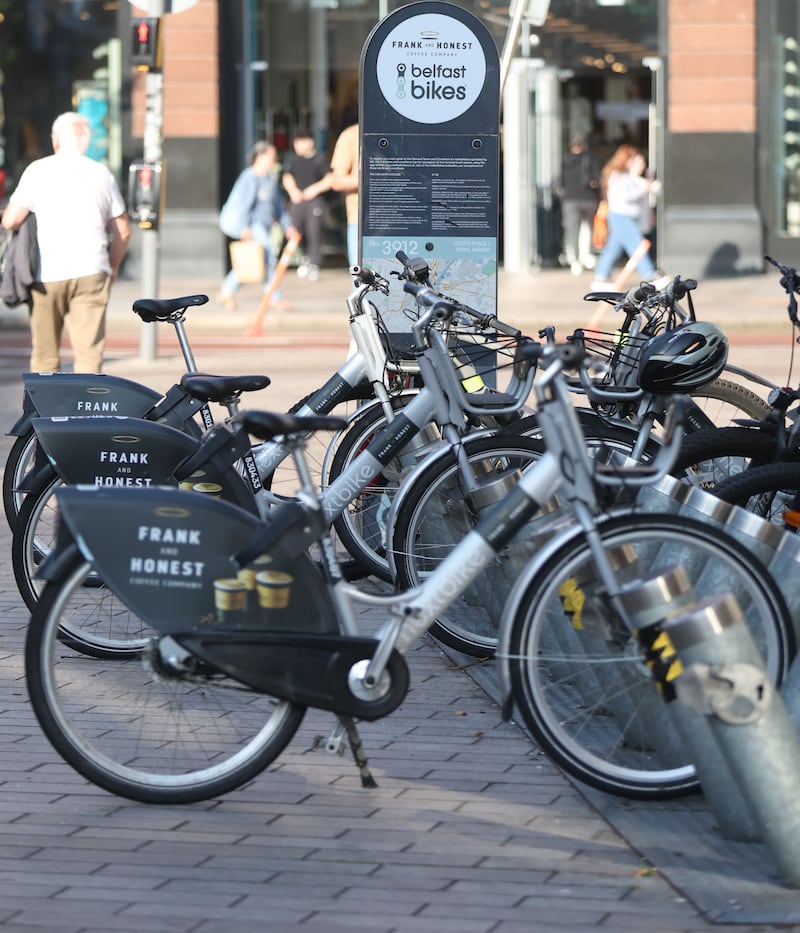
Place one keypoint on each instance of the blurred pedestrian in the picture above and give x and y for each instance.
(254, 205)
(344, 177)
(307, 178)
(626, 189)
(82, 235)
(580, 193)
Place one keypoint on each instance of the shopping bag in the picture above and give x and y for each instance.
(247, 260)
(600, 226)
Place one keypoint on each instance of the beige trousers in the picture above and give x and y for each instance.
(81, 304)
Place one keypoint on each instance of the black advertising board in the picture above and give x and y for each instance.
(430, 113)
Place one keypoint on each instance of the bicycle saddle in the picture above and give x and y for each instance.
(160, 309)
(206, 387)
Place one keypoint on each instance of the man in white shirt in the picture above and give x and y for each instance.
(83, 233)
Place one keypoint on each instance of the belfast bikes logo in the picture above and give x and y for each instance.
(431, 68)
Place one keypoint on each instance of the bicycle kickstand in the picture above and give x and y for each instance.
(334, 745)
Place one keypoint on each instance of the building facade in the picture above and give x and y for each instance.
(709, 89)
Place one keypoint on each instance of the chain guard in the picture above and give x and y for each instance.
(306, 669)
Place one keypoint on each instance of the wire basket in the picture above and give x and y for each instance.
(620, 351)
(483, 359)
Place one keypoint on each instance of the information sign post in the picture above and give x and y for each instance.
(430, 115)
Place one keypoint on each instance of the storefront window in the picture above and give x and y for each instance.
(54, 57)
(308, 53)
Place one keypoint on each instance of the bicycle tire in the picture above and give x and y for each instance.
(732, 401)
(19, 462)
(707, 458)
(768, 490)
(138, 728)
(115, 632)
(436, 514)
(34, 534)
(420, 539)
(578, 681)
(361, 527)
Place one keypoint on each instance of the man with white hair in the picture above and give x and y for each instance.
(82, 233)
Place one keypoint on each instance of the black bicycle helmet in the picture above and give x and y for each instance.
(683, 359)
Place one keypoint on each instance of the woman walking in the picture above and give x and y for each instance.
(627, 191)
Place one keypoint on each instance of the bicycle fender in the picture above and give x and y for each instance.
(86, 394)
(21, 426)
(167, 554)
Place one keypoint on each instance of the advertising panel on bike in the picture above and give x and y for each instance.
(430, 110)
(171, 553)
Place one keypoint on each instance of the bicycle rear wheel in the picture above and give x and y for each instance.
(20, 460)
(159, 726)
(577, 674)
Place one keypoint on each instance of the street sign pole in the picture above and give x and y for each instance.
(153, 135)
(149, 218)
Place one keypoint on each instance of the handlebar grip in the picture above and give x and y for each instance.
(678, 290)
(366, 275)
(400, 256)
(502, 328)
(414, 288)
(645, 290)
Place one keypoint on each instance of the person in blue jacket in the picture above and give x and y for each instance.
(254, 204)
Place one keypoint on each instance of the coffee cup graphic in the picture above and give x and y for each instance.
(209, 489)
(195, 477)
(229, 599)
(274, 589)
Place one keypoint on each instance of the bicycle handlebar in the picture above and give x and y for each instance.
(371, 278)
(679, 288)
(449, 307)
(415, 269)
(790, 282)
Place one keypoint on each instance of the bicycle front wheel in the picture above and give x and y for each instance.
(159, 726)
(710, 457)
(769, 491)
(438, 510)
(362, 525)
(577, 674)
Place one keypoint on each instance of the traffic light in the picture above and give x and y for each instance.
(145, 193)
(146, 43)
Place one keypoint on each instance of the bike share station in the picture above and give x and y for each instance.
(430, 118)
(430, 109)
(430, 134)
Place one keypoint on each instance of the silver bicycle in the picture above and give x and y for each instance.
(244, 633)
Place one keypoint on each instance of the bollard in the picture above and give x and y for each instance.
(785, 568)
(647, 602)
(724, 678)
(696, 738)
(588, 633)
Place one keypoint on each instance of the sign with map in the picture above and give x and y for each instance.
(430, 114)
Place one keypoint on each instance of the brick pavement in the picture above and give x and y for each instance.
(470, 828)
